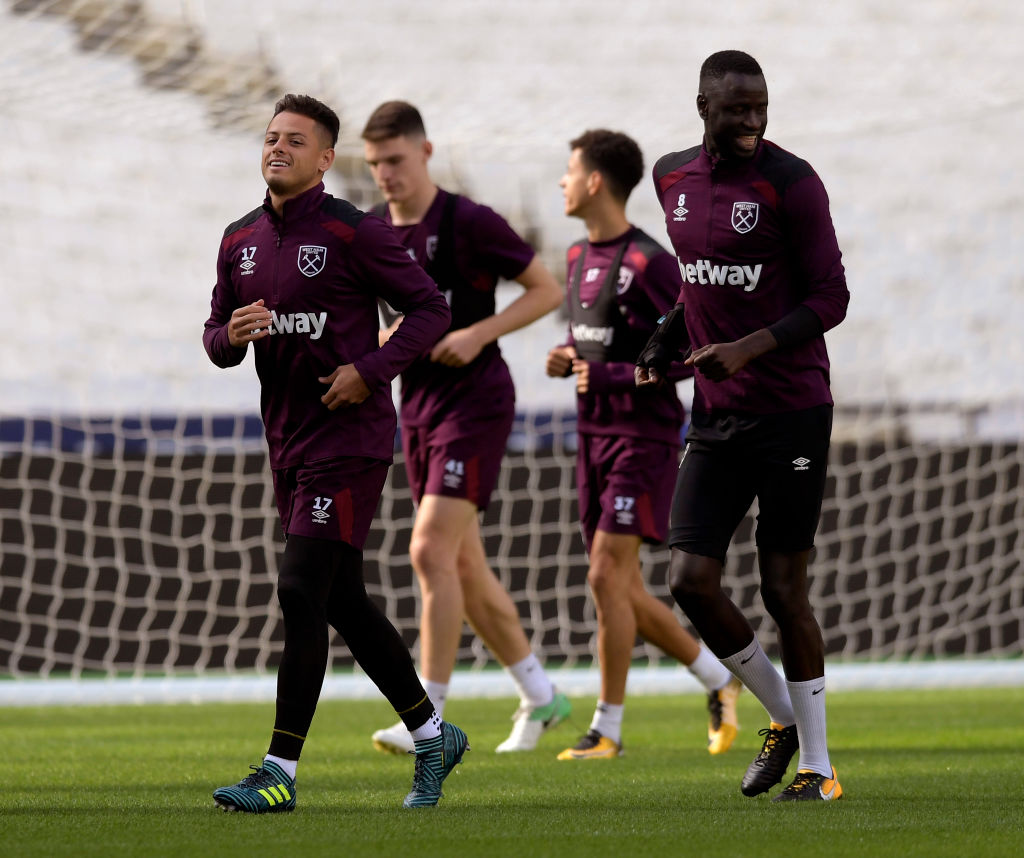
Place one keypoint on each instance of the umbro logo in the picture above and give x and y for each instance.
(247, 265)
(320, 507)
(680, 211)
(801, 464)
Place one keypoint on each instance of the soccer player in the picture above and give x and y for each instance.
(763, 280)
(620, 282)
(299, 279)
(457, 406)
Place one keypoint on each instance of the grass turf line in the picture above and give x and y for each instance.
(929, 773)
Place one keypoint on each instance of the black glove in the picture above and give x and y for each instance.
(664, 346)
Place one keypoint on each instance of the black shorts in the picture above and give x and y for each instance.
(780, 459)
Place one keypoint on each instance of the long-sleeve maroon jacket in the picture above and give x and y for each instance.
(320, 270)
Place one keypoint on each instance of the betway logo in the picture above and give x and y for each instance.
(298, 323)
(590, 334)
(707, 274)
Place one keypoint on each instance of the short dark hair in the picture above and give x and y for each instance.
(320, 113)
(718, 65)
(615, 155)
(394, 119)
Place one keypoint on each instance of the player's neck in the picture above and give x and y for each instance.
(277, 201)
(606, 223)
(413, 210)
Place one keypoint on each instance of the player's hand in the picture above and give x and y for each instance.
(647, 376)
(719, 361)
(559, 362)
(248, 324)
(581, 369)
(457, 348)
(347, 387)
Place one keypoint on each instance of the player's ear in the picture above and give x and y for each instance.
(428, 149)
(326, 160)
(595, 181)
(702, 105)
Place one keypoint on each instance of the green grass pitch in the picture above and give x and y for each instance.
(926, 773)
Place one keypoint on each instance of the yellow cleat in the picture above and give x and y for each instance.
(593, 746)
(722, 722)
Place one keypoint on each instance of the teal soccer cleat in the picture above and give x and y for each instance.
(267, 790)
(435, 759)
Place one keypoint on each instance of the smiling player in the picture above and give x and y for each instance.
(763, 280)
(299, 279)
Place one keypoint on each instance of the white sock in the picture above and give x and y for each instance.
(608, 720)
(532, 683)
(288, 765)
(430, 730)
(709, 670)
(755, 671)
(437, 692)
(809, 705)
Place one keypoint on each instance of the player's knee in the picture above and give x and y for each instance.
(692, 578)
(606, 577)
(785, 601)
(300, 587)
(431, 557)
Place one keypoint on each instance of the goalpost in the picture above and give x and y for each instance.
(147, 547)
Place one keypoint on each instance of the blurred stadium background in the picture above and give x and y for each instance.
(135, 508)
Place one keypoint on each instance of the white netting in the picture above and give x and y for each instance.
(144, 548)
(134, 543)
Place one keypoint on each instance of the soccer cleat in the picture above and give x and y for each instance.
(395, 739)
(780, 743)
(267, 790)
(810, 786)
(532, 722)
(722, 723)
(593, 746)
(435, 759)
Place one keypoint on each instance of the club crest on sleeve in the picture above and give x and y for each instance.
(312, 258)
(744, 216)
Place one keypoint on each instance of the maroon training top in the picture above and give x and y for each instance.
(754, 240)
(320, 270)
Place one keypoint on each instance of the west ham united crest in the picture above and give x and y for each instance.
(744, 216)
(312, 258)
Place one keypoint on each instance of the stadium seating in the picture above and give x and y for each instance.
(122, 189)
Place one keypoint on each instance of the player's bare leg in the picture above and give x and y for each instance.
(488, 606)
(492, 614)
(696, 583)
(784, 590)
(613, 559)
(657, 624)
(456, 582)
(437, 534)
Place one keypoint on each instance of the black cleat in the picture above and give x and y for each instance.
(810, 786)
(780, 743)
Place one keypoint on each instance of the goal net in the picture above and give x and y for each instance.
(147, 542)
(150, 546)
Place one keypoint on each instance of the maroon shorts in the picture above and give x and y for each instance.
(625, 486)
(462, 467)
(333, 499)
